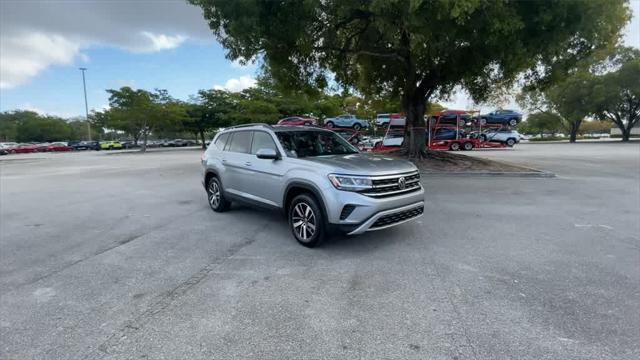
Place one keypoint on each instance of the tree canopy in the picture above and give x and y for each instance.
(415, 50)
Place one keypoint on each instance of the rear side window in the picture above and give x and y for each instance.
(240, 142)
(262, 140)
(221, 141)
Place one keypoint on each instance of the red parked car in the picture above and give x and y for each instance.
(24, 149)
(59, 147)
(298, 121)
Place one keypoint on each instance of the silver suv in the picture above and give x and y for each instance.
(320, 181)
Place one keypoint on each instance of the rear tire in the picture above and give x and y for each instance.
(467, 146)
(357, 127)
(306, 220)
(215, 196)
(454, 146)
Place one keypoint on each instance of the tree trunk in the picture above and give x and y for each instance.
(202, 139)
(415, 137)
(573, 131)
(144, 141)
(626, 134)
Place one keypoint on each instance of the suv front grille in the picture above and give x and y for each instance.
(397, 217)
(390, 185)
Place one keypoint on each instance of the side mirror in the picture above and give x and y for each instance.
(269, 154)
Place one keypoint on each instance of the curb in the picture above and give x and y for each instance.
(522, 174)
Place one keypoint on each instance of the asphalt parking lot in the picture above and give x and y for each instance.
(119, 257)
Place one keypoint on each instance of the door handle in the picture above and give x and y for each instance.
(247, 163)
(224, 161)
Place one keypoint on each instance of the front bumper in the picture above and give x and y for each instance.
(389, 218)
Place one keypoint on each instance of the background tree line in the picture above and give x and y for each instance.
(137, 114)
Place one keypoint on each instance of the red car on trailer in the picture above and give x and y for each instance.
(297, 121)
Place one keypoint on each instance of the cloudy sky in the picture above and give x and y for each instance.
(144, 44)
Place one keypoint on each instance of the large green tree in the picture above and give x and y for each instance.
(139, 112)
(616, 94)
(415, 50)
(568, 101)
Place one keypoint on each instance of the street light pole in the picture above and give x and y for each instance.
(86, 106)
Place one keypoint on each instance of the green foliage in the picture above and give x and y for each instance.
(416, 50)
(541, 123)
(28, 126)
(616, 94)
(140, 112)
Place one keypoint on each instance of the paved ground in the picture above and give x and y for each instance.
(119, 257)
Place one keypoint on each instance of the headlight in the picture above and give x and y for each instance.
(350, 183)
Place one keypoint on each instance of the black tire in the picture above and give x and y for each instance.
(306, 217)
(510, 142)
(357, 127)
(219, 203)
(330, 124)
(467, 146)
(454, 146)
(513, 122)
(483, 121)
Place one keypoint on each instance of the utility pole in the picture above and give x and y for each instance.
(86, 106)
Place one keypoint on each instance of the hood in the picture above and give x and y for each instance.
(363, 164)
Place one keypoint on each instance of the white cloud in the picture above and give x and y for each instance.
(24, 56)
(162, 41)
(239, 84)
(37, 34)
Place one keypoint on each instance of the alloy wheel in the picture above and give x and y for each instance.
(214, 194)
(304, 221)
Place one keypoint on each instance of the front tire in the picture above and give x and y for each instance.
(215, 197)
(357, 127)
(306, 220)
(467, 146)
(513, 122)
(511, 142)
(330, 125)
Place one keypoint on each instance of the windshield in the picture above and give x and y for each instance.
(314, 143)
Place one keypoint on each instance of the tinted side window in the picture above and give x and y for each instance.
(262, 140)
(221, 141)
(240, 142)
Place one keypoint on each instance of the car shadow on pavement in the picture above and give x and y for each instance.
(334, 242)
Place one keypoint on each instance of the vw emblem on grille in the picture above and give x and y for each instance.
(402, 183)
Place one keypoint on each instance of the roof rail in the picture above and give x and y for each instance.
(249, 125)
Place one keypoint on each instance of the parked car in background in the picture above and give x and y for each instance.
(503, 117)
(130, 144)
(24, 149)
(503, 135)
(298, 121)
(8, 145)
(42, 147)
(110, 145)
(462, 117)
(448, 134)
(383, 120)
(59, 147)
(4, 151)
(178, 143)
(346, 120)
(84, 145)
